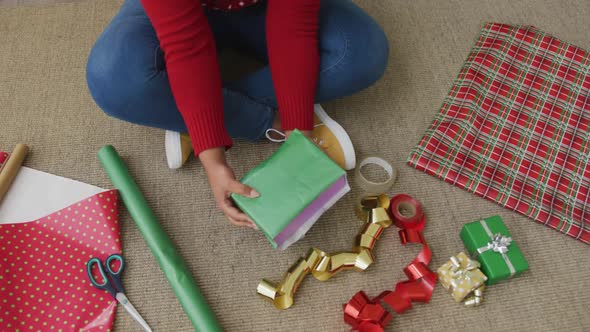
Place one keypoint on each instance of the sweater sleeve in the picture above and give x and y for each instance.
(292, 38)
(193, 71)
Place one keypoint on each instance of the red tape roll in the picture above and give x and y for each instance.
(407, 212)
(366, 315)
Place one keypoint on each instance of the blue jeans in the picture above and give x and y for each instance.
(127, 78)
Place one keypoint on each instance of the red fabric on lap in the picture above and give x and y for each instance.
(515, 128)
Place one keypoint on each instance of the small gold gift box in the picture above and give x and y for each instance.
(462, 277)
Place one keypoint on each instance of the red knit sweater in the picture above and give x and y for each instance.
(193, 71)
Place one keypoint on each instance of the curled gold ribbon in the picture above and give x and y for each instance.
(476, 299)
(373, 209)
(323, 266)
(282, 293)
(329, 265)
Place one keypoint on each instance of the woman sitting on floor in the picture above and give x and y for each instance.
(156, 65)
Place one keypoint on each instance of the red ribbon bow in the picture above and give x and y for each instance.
(366, 315)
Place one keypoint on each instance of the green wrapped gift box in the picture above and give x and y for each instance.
(297, 184)
(489, 241)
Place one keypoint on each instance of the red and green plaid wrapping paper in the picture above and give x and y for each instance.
(515, 128)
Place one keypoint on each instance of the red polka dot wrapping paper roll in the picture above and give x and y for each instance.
(515, 128)
(3, 158)
(43, 280)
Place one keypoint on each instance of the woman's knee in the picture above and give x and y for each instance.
(119, 66)
(375, 52)
(354, 46)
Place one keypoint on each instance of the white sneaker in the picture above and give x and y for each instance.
(178, 148)
(333, 139)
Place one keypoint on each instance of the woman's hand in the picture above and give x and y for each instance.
(223, 182)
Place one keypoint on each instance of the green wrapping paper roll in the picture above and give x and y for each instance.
(174, 267)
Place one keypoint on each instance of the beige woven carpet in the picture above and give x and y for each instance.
(44, 102)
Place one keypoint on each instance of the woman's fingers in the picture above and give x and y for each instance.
(229, 207)
(239, 223)
(234, 214)
(223, 182)
(236, 218)
(241, 189)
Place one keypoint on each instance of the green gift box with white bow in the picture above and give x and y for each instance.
(489, 241)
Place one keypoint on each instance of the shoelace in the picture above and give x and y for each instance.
(278, 132)
(319, 142)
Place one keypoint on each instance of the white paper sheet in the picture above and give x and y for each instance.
(35, 194)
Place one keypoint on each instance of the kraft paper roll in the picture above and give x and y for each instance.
(10, 169)
(375, 187)
(174, 267)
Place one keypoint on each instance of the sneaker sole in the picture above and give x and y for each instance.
(341, 135)
(173, 149)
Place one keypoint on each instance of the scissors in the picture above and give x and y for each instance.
(113, 285)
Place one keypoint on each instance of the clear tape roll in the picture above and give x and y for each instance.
(375, 187)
